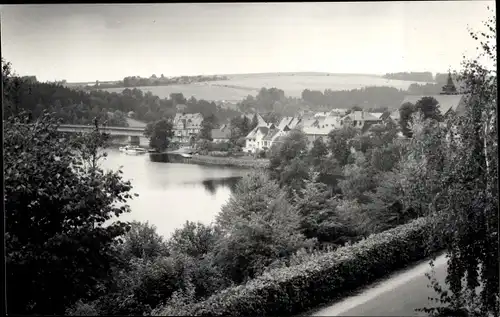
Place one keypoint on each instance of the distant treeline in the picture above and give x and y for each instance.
(413, 76)
(82, 107)
(137, 81)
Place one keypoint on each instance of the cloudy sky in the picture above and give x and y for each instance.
(109, 42)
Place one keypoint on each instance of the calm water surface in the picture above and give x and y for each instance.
(169, 193)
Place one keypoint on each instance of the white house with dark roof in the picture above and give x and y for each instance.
(254, 139)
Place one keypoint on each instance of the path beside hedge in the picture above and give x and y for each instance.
(398, 295)
(320, 279)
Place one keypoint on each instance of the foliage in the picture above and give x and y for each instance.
(143, 286)
(339, 143)
(411, 76)
(405, 113)
(357, 180)
(142, 241)
(318, 152)
(288, 160)
(159, 134)
(467, 199)
(57, 200)
(207, 125)
(317, 210)
(429, 108)
(319, 279)
(259, 226)
(379, 97)
(193, 239)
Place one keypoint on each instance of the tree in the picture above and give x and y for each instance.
(317, 210)
(288, 160)
(57, 200)
(259, 226)
(318, 152)
(142, 241)
(428, 107)
(405, 113)
(339, 143)
(207, 125)
(193, 239)
(466, 207)
(159, 134)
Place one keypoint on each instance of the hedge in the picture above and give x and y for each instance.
(321, 278)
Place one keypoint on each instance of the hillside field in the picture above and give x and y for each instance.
(240, 86)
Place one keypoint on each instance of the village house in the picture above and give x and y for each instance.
(314, 133)
(186, 126)
(222, 134)
(359, 119)
(255, 139)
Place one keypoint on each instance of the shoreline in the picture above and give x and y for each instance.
(210, 160)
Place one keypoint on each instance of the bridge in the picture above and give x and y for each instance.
(133, 132)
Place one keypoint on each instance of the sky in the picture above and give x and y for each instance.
(88, 42)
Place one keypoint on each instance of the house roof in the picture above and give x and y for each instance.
(377, 114)
(271, 134)
(260, 120)
(294, 123)
(284, 122)
(317, 131)
(308, 122)
(361, 116)
(253, 133)
(189, 119)
(221, 134)
(329, 122)
(446, 102)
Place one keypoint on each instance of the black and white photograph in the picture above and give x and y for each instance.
(250, 159)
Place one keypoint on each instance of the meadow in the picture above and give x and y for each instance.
(240, 86)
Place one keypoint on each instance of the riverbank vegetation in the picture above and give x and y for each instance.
(316, 223)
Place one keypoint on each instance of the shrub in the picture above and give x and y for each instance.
(319, 279)
(142, 241)
(147, 284)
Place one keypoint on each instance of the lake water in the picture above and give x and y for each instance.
(169, 193)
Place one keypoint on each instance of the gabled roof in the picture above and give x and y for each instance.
(271, 134)
(377, 114)
(309, 122)
(253, 133)
(361, 116)
(329, 122)
(294, 123)
(284, 122)
(446, 102)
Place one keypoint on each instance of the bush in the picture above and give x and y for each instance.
(147, 284)
(320, 278)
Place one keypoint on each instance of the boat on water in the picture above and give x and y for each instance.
(129, 149)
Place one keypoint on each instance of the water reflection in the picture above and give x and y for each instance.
(211, 185)
(171, 193)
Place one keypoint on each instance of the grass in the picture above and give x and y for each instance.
(240, 86)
